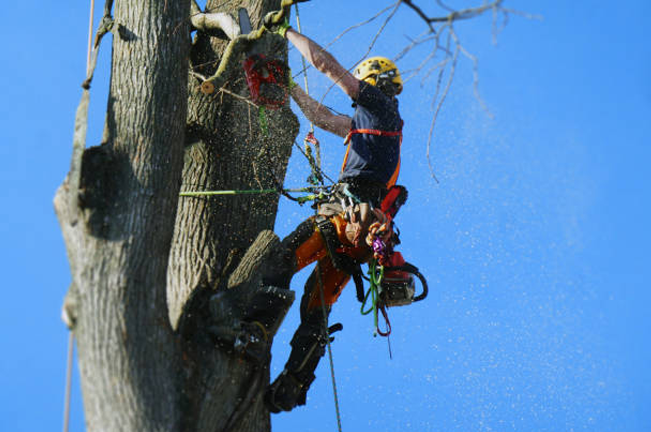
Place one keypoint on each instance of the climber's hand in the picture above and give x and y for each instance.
(275, 21)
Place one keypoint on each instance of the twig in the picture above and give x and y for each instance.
(236, 96)
(526, 15)
(420, 13)
(225, 90)
(373, 18)
(467, 13)
(414, 43)
(444, 6)
(475, 72)
(438, 109)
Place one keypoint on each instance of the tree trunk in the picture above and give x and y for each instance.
(226, 149)
(118, 237)
(145, 263)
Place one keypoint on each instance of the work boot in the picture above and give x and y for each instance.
(287, 391)
(290, 388)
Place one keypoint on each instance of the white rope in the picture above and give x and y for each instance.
(71, 335)
(66, 408)
(90, 34)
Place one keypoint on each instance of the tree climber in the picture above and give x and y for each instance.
(338, 237)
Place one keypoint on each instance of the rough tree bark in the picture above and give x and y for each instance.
(118, 236)
(225, 149)
(144, 263)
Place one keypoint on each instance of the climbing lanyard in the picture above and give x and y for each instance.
(316, 177)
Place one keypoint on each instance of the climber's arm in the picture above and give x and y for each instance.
(324, 62)
(320, 115)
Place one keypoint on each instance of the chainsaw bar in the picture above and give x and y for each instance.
(246, 28)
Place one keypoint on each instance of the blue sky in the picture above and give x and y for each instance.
(535, 241)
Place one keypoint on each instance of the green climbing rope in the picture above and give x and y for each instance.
(229, 192)
(313, 193)
(375, 277)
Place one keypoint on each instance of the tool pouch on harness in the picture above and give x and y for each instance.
(340, 261)
(359, 203)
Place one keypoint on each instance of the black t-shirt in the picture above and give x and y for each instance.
(372, 157)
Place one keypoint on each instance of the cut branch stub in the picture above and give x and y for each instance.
(207, 87)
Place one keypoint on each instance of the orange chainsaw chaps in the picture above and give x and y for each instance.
(333, 280)
(311, 250)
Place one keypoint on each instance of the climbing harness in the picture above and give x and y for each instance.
(373, 132)
(376, 132)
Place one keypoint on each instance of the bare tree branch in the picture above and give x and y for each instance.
(451, 54)
(421, 14)
(454, 15)
(370, 47)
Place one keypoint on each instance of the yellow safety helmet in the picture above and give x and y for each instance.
(374, 69)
